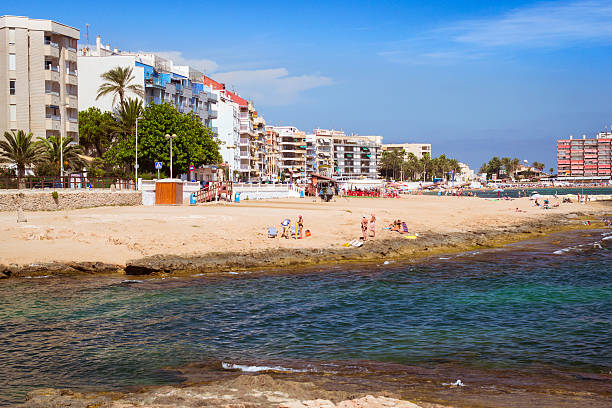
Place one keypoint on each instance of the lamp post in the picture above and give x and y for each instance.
(136, 165)
(172, 136)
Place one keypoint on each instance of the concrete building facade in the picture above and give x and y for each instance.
(38, 77)
(585, 158)
(418, 149)
(162, 81)
(357, 156)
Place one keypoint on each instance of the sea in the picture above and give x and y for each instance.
(526, 192)
(534, 312)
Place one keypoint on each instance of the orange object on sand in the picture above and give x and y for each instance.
(307, 233)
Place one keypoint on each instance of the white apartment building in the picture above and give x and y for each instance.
(467, 175)
(356, 156)
(292, 149)
(162, 81)
(227, 124)
(38, 77)
(418, 149)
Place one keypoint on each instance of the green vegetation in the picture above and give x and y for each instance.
(18, 148)
(50, 166)
(118, 83)
(399, 166)
(55, 195)
(508, 168)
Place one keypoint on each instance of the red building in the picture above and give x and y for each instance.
(585, 157)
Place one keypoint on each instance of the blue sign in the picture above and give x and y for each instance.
(158, 165)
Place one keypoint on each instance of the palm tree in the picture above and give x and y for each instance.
(128, 112)
(71, 155)
(18, 148)
(118, 84)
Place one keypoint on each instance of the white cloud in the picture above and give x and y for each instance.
(271, 86)
(543, 25)
(202, 64)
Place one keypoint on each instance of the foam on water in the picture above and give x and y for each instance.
(256, 369)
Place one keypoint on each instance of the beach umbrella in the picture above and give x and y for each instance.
(536, 195)
(498, 190)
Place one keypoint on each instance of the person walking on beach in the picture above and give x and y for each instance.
(373, 226)
(364, 227)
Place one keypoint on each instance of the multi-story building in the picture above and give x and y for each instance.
(320, 155)
(356, 156)
(418, 149)
(161, 79)
(38, 77)
(227, 124)
(273, 156)
(585, 158)
(292, 148)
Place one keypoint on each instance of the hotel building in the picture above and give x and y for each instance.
(418, 149)
(585, 158)
(38, 77)
(356, 156)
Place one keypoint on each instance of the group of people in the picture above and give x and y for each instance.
(294, 231)
(368, 227)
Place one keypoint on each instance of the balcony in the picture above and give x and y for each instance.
(52, 98)
(52, 122)
(154, 82)
(70, 55)
(51, 51)
(171, 89)
(72, 125)
(72, 101)
(212, 114)
(71, 78)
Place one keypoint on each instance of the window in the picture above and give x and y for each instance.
(12, 62)
(13, 113)
(11, 36)
(12, 87)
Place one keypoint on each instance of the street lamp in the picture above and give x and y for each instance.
(172, 136)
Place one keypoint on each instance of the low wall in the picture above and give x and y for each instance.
(42, 200)
(266, 191)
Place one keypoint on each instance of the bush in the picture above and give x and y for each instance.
(55, 195)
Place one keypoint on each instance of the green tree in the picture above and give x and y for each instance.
(390, 164)
(71, 154)
(118, 83)
(538, 165)
(195, 143)
(18, 148)
(96, 129)
(129, 110)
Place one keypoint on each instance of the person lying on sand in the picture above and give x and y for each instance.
(518, 210)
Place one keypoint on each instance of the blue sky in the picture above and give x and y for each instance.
(475, 79)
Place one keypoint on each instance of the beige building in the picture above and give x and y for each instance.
(418, 149)
(38, 77)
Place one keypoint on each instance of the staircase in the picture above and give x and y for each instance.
(214, 191)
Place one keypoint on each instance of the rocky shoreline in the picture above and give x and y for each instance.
(428, 244)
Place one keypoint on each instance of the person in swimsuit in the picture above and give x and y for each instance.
(300, 224)
(373, 226)
(364, 227)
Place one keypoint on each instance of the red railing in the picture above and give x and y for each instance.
(214, 190)
(73, 182)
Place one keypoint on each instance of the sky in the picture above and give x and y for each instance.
(475, 79)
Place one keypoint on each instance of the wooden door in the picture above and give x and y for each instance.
(165, 193)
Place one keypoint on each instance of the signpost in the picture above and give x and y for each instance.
(158, 166)
(191, 172)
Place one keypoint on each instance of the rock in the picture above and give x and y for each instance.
(21, 216)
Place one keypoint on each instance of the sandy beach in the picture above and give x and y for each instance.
(120, 235)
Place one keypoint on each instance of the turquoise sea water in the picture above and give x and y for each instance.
(534, 306)
(513, 192)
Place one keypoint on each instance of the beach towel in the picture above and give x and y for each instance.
(272, 233)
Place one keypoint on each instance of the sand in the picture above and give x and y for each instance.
(118, 235)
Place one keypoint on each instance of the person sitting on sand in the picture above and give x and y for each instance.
(364, 227)
(373, 226)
